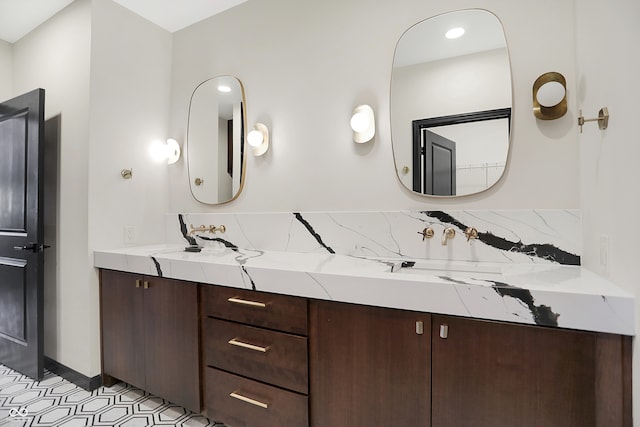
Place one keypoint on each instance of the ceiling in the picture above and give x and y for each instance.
(19, 17)
(425, 41)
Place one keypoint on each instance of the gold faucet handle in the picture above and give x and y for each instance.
(471, 233)
(195, 230)
(427, 233)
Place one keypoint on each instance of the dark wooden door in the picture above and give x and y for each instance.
(171, 341)
(22, 233)
(368, 366)
(150, 333)
(122, 326)
(439, 164)
(488, 374)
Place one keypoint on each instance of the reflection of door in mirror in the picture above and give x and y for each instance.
(215, 140)
(434, 77)
(481, 139)
(434, 164)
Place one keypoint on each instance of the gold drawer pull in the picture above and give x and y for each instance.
(242, 344)
(249, 400)
(237, 300)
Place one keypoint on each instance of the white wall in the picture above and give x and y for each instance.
(6, 71)
(106, 73)
(305, 65)
(55, 57)
(130, 92)
(608, 71)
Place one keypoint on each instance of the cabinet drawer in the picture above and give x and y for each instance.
(281, 312)
(274, 357)
(240, 402)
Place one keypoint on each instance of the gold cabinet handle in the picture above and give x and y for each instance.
(138, 283)
(238, 396)
(145, 284)
(241, 301)
(238, 343)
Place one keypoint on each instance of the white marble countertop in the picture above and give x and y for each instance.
(540, 294)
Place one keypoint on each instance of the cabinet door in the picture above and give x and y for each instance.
(171, 341)
(121, 305)
(495, 374)
(369, 367)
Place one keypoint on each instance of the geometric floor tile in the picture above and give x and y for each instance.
(55, 402)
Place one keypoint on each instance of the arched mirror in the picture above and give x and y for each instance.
(215, 140)
(450, 104)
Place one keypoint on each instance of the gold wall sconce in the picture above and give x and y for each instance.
(550, 96)
(363, 124)
(602, 119)
(258, 139)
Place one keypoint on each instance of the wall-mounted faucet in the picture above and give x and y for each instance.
(447, 234)
(427, 233)
(471, 233)
(210, 229)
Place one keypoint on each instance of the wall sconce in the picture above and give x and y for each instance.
(168, 151)
(550, 96)
(258, 139)
(363, 124)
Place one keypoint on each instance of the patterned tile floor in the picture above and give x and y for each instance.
(55, 401)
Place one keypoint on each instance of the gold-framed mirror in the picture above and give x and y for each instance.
(216, 155)
(458, 90)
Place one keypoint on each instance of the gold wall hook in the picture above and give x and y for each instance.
(126, 173)
(602, 119)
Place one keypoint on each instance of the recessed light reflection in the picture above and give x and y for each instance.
(454, 33)
(224, 89)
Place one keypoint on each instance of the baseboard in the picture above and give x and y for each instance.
(71, 375)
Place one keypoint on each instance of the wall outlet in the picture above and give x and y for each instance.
(604, 253)
(130, 234)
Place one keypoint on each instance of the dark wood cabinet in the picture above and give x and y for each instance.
(496, 374)
(255, 352)
(369, 366)
(275, 360)
(150, 333)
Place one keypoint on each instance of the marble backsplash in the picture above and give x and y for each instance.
(510, 236)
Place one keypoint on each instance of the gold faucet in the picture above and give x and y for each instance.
(210, 229)
(471, 233)
(447, 234)
(427, 233)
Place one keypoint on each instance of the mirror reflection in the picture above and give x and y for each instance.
(215, 140)
(450, 104)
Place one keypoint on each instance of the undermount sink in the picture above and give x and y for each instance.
(436, 266)
(445, 267)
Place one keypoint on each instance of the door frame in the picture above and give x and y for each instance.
(476, 116)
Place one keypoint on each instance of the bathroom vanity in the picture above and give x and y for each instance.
(280, 338)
